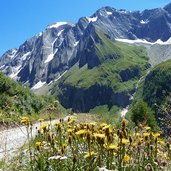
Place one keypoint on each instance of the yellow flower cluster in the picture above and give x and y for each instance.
(88, 155)
(25, 120)
(93, 146)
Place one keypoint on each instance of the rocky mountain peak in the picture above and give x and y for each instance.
(168, 8)
(59, 24)
(104, 11)
(49, 54)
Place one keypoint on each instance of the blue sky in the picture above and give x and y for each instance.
(22, 19)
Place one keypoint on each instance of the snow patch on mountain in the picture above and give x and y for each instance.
(60, 32)
(56, 25)
(133, 41)
(15, 71)
(12, 55)
(144, 22)
(61, 75)
(168, 42)
(109, 13)
(122, 11)
(49, 58)
(39, 34)
(93, 19)
(25, 56)
(76, 43)
(38, 85)
(2, 67)
(160, 42)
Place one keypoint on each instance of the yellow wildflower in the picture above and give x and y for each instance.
(70, 130)
(112, 147)
(88, 155)
(71, 121)
(106, 127)
(125, 141)
(25, 120)
(169, 147)
(161, 142)
(92, 123)
(57, 123)
(156, 135)
(81, 132)
(44, 126)
(134, 144)
(115, 135)
(64, 145)
(140, 140)
(147, 128)
(38, 145)
(40, 120)
(126, 158)
(100, 136)
(137, 134)
(146, 134)
(103, 124)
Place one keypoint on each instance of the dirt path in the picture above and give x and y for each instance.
(12, 139)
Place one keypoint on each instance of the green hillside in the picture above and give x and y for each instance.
(16, 100)
(157, 93)
(152, 102)
(112, 79)
(157, 84)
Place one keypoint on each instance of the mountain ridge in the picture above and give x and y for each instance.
(46, 56)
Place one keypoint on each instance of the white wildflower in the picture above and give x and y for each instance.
(54, 157)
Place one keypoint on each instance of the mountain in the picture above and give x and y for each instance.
(105, 75)
(76, 59)
(46, 56)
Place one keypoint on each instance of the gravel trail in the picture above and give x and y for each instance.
(12, 139)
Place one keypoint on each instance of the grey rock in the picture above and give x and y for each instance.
(47, 55)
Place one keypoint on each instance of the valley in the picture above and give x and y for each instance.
(110, 74)
(95, 64)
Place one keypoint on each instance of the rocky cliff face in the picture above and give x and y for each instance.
(49, 54)
(82, 100)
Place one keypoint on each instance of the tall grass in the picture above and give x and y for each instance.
(72, 145)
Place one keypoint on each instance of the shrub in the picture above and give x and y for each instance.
(142, 113)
